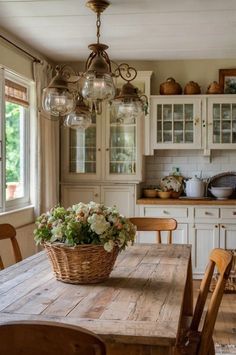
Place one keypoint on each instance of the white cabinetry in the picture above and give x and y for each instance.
(122, 196)
(110, 149)
(194, 121)
(180, 235)
(203, 237)
(204, 227)
(176, 122)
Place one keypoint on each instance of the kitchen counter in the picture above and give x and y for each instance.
(172, 201)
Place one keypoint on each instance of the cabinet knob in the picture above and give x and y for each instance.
(99, 149)
(216, 226)
(96, 195)
(203, 123)
(107, 149)
(234, 213)
(222, 226)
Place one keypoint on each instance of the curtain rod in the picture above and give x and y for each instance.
(21, 49)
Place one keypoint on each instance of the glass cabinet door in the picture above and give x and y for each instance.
(82, 149)
(224, 123)
(175, 123)
(122, 146)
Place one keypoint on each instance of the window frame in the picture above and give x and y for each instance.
(25, 200)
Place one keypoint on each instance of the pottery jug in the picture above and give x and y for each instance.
(195, 187)
(170, 87)
(192, 88)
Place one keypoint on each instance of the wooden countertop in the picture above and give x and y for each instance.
(140, 304)
(176, 202)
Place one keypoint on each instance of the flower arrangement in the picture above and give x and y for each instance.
(90, 223)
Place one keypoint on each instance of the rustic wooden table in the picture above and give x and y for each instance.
(136, 311)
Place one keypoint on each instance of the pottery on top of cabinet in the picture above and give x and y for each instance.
(214, 88)
(192, 88)
(170, 87)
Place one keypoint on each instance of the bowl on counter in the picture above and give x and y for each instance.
(221, 192)
(150, 193)
(164, 194)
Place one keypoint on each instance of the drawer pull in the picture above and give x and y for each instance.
(208, 213)
(165, 212)
(234, 213)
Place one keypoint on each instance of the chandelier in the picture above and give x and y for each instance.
(95, 85)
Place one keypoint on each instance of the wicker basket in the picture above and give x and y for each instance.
(82, 264)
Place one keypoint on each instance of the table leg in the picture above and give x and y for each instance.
(188, 292)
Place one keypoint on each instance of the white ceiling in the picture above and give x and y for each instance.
(133, 29)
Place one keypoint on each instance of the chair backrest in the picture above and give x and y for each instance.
(7, 231)
(48, 338)
(222, 259)
(149, 224)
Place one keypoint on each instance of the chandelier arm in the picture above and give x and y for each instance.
(107, 59)
(126, 72)
(91, 56)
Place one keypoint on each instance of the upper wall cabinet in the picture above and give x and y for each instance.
(221, 125)
(193, 122)
(110, 149)
(176, 122)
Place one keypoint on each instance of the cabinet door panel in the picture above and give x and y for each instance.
(180, 235)
(228, 236)
(120, 196)
(204, 238)
(73, 195)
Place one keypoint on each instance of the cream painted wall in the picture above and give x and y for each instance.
(202, 71)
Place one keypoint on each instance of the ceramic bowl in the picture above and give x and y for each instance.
(164, 194)
(149, 193)
(221, 192)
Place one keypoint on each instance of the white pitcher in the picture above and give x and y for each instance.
(195, 187)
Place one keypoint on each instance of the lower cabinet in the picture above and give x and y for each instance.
(203, 237)
(179, 236)
(121, 196)
(204, 227)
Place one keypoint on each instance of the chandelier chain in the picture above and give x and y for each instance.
(98, 24)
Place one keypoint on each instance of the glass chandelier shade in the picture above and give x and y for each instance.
(128, 105)
(57, 98)
(80, 118)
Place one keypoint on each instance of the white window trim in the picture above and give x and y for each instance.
(24, 205)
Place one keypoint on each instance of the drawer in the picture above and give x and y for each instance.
(164, 211)
(206, 212)
(228, 212)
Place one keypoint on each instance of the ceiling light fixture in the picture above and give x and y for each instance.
(95, 85)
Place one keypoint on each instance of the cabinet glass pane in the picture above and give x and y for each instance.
(83, 150)
(224, 123)
(122, 152)
(175, 123)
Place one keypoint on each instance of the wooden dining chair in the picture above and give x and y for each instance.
(7, 231)
(152, 224)
(193, 341)
(48, 338)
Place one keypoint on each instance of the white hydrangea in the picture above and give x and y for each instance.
(98, 223)
(108, 246)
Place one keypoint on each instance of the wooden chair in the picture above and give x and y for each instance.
(7, 231)
(192, 341)
(146, 224)
(48, 338)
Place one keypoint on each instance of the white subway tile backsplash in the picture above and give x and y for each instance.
(189, 162)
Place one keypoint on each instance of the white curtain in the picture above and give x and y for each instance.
(47, 151)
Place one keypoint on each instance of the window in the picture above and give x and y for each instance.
(15, 141)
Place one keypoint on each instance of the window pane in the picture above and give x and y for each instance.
(14, 135)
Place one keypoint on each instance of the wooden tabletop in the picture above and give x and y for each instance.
(141, 303)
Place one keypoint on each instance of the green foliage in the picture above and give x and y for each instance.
(12, 142)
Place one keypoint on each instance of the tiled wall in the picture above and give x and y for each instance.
(189, 162)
